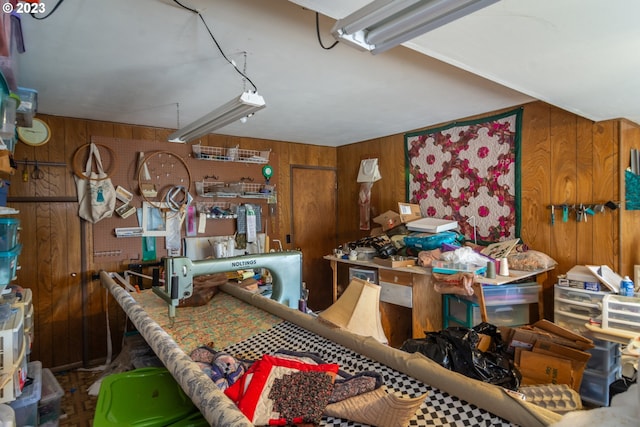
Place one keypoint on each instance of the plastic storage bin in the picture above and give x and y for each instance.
(573, 322)
(620, 312)
(459, 311)
(573, 308)
(26, 406)
(9, 264)
(14, 386)
(7, 416)
(520, 293)
(28, 106)
(8, 117)
(578, 296)
(11, 338)
(144, 397)
(595, 387)
(605, 356)
(9, 228)
(194, 420)
(50, 400)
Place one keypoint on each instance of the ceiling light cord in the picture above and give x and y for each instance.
(255, 89)
(40, 18)
(318, 34)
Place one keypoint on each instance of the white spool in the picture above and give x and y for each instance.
(504, 267)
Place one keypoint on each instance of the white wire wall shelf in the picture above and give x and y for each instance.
(246, 190)
(233, 154)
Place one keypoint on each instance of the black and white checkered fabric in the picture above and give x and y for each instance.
(439, 408)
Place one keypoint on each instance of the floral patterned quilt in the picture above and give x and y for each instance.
(469, 172)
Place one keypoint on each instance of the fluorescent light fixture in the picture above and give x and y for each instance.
(383, 24)
(236, 109)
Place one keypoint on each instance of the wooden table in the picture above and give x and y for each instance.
(409, 304)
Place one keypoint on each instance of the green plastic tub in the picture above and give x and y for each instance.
(145, 397)
(194, 420)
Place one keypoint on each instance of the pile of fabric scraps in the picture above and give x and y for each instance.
(292, 388)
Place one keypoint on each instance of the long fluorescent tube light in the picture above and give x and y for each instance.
(247, 104)
(383, 24)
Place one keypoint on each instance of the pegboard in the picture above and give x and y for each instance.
(169, 165)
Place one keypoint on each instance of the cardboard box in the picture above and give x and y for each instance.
(409, 212)
(577, 358)
(537, 368)
(388, 220)
(546, 353)
(561, 335)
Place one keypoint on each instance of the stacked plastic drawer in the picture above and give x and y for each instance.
(9, 250)
(13, 361)
(621, 313)
(24, 299)
(573, 308)
(602, 370)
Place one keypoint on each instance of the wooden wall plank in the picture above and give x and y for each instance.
(71, 278)
(44, 285)
(584, 188)
(62, 316)
(563, 185)
(536, 190)
(75, 137)
(605, 184)
(536, 195)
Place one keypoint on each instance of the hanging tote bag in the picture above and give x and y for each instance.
(369, 171)
(96, 194)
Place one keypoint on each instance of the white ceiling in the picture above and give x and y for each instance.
(150, 62)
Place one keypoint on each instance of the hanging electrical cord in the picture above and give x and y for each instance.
(197, 12)
(33, 15)
(318, 34)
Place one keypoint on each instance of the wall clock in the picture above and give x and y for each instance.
(36, 135)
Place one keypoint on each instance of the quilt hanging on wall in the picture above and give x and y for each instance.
(469, 172)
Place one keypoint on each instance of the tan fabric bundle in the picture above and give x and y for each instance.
(376, 408)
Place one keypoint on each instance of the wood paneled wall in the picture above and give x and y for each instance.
(565, 159)
(52, 232)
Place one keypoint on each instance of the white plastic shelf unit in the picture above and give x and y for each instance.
(621, 313)
(26, 302)
(573, 307)
(13, 369)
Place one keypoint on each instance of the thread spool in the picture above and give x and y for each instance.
(491, 270)
(504, 267)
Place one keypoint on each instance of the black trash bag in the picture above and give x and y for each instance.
(455, 348)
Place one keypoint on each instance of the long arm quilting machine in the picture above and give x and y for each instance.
(285, 268)
(219, 410)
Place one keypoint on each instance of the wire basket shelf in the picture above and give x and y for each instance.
(232, 154)
(234, 189)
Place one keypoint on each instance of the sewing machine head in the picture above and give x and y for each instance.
(285, 268)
